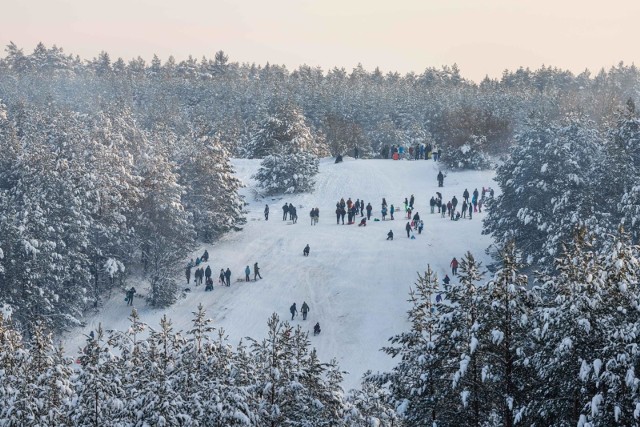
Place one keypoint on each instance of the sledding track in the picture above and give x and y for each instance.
(355, 282)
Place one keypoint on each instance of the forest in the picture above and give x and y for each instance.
(111, 169)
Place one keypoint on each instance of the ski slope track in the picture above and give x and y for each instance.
(354, 280)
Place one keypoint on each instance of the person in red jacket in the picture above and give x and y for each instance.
(454, 266)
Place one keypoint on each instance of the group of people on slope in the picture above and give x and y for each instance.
(415, 152)
(304, 310)
(289, 209)
(349, 208)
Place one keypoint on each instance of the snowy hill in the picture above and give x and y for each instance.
(355, 281)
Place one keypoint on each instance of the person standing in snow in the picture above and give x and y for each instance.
(391, 211)
(293, 310)
(256, 272)
(207, 273)
(369, 209)
(355, 153)
(187, 273)
(130, 293)
(305, 251)
(221, 277)
(362, 208)
(432, 204)
(420, 227)
(440, 179)
(454, 266)
(464, 209)
(247, 272)
(285, 211)
(266, 213)
(304, 309)
(474, 201)
(227, 276)
(470, 210)
(291, 211)
(408, 228)
(411, 201)
(384, 202)
(465, 195)
(384, 212)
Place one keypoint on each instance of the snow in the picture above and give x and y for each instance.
(354, 280)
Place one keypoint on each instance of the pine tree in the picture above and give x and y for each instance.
(289, 173)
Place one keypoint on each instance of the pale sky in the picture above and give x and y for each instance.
(481, 36)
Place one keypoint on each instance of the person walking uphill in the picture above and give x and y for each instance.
(304, 309)
(454, 266)
(130, 293)
(293, 310)
(227, 276)
(256, 272)
(247, 272)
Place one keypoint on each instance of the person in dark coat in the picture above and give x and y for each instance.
(247, 272)
(285, 211)
(305, 251)
(196, 276)
(266, 212)
(291, 211)
(221, 277)
(470, 210)
(432, 204)
(227, 276)
(369, 209)
(446, 279)
(338, 158)
(207, 272)
(187, 273)
(440, 179)
(256, 271)
(304, 309)
(363, 222)
(338, 209)
(205, 256)
(209, 284)
(390, 235)
(411, 201)
(454, 266)
(130, 293)
(465, 195)
(355, 153)
(343, 212)
(316, 329)
(464, 209)
(362, 208)
(293, 310)
(408, 228)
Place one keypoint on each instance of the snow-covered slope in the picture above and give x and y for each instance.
(355, 281)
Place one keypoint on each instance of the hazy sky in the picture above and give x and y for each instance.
(481, 36)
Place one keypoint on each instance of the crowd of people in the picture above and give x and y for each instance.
(472, 202)
(420, 151)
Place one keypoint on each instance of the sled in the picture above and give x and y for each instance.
(243, 280)
(376, 219)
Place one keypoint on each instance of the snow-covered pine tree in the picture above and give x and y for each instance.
(610, 370)
(504, 314)
(211, 189)
(417, 382)
(164, 228)
(624, 167)
(564, 334)
(98, 384)
(370, 405)
(470, 155)
(287, 173)
(460, 350)
(547, 188)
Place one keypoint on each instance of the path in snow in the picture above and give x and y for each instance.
(355, 281)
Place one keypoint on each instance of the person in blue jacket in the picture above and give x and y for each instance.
(384, 213)
(391, 211)
(247, 272)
